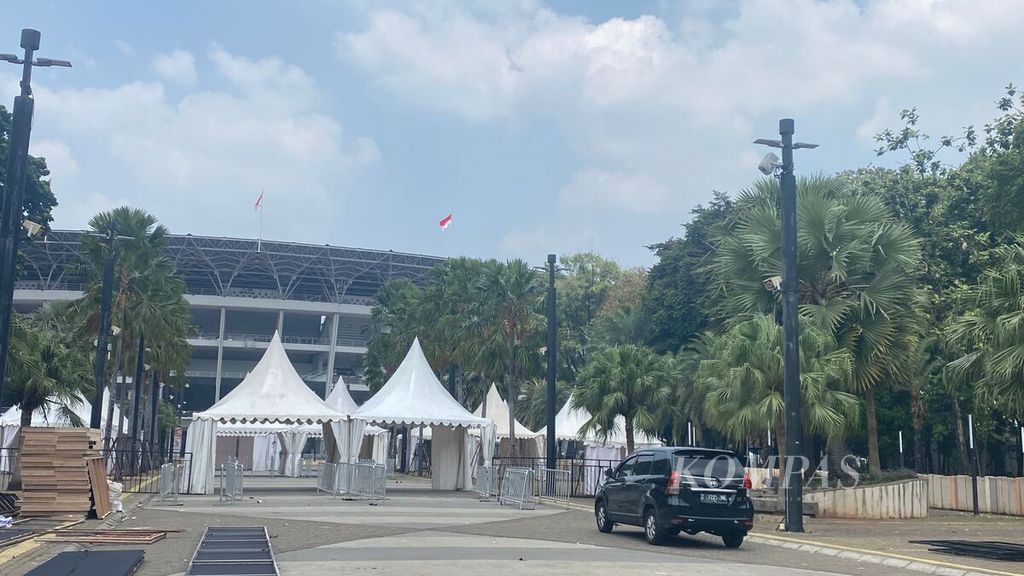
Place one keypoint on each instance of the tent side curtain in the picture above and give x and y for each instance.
(201, 441)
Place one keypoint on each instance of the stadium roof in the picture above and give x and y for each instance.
(234, 267)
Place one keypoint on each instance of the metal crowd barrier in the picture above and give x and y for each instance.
(517, 487)
(170, 481)
(554, 485)
(327, 478)
(231, 475)
(486, 483)
(308, 468)
(365, 480)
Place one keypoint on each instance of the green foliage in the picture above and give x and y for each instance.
(629, 381)
(39, 198)
(679, 299)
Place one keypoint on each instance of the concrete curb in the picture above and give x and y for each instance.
(922, 566)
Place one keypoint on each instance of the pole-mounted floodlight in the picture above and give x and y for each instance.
(790, 322)
(12, 203)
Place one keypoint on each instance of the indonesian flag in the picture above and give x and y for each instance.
(259, 202)
(446, 222)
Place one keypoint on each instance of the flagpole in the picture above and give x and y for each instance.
(259, 232)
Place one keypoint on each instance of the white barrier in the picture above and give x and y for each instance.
(554, 485)
(170, 479)
(517, 487)
(486, 481)
(327, 478)
(996, 494)
(365, 480)
(231, 475)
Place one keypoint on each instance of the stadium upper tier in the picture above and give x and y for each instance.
(240, 267)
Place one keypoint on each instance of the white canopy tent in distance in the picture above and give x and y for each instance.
(529, 444)
(413, 396)
(273, 393)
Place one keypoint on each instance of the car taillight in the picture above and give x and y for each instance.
(746, 482)
(673, 483)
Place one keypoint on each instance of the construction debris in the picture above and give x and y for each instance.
(99, 537)
(54, 476)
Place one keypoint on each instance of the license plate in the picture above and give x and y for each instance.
(706, 498)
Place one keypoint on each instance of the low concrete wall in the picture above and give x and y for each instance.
(904, 499)
(996, 494)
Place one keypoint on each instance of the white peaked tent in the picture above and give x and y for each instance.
(569, 423)
(497, 411)
(414, 396)
(272, 393)
(342, 401)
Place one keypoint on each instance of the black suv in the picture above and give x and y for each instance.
(671, 490)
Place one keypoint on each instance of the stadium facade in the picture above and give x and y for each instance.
(240, 291)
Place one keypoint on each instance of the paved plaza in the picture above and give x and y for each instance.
(420, 532)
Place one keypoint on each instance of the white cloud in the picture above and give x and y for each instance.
(657, 113)
(57, 155)
(124, 47)
(177, 67)
(198, 161)
(592, 188)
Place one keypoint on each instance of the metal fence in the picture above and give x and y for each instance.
(517, 487)
(139, 470)
(327, 478)
(9, 463)
(486, 481)
(585, 475)
(366, 480)
(231, 481)
(554, 485)
(170, 482)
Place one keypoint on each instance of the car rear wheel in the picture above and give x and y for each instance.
(601, 513)
(652, 533)
(733, 539)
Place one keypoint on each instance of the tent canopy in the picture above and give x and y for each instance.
(413, 395)
(273, 392)
(569, 422)
(50, 415)
(497, 410)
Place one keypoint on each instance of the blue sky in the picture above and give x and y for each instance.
(544, 127)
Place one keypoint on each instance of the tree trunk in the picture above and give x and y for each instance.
(917, 420)
(874, 462)
(114, 397)
(961, 442)
(629, 434)
(26, 423)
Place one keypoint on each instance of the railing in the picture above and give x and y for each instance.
(232, 474)
(516, 487)
(170, 481)
(486, 481)
(585, 475)
(327, 478)
(308, 467)
(9, 463)
(364, 480)
(139, 470)
(554, 485)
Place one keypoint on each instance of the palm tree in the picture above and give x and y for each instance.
(148, 301)
(48, 368)
(858, 270)
(629, 381)
(991, 332)
(503, 327)
(742, 377)
(533, 411)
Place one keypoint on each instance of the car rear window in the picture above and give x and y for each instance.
(706, 465)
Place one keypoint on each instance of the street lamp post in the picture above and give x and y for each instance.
(790, 323)
(552, 363)
(103, 337)
(12, 203)
(140, 367)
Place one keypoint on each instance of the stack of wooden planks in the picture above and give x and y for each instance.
(55, 479)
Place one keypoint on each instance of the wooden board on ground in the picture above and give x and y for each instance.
(98, 479)
(105, 536)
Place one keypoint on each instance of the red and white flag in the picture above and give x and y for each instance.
(446, 222)
(259, 202)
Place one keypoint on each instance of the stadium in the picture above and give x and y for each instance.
(240, 291)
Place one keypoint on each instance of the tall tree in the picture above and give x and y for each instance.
(680, 296)
(858, 272)
(583, 284)
(39, 198)
(629, 381)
